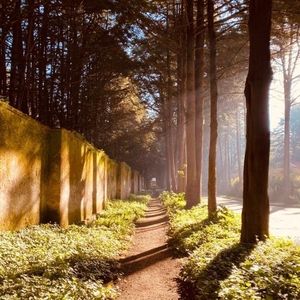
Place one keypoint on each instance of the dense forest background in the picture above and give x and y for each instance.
(115, 72)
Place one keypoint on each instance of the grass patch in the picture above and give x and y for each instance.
(219, 267)
(48, 262)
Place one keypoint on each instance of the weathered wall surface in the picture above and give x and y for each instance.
(135, 181)
(100, 182)
(123, 181)
(54, 175)
(112, 173)
(73, 182)
(23, 148)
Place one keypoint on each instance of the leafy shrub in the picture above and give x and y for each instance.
(48, 262)
(271, 271)
(172, 201)
(219, 267)
(191, 228)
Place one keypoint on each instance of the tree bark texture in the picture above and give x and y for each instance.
(199, 78)
(212, 200)
(3, 75)
(192, 185)
(255, 214)
(169, 118)
(287, 121)
(238, 145)
(181, 128)
(17, 60)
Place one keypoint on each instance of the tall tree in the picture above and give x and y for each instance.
(199, 87)
(17, 60)
(181, 102)
(192, 197)
(255, 214)
(169, 115)
(238, 144)
(4, 31)
(212, 201)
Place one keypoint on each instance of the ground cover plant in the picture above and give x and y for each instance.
(219, 267)
(80, 262)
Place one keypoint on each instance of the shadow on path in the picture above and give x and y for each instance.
(155, 219)
(145, 259)
(163, 219)
(149, 268)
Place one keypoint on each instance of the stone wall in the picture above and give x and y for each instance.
(54, 175)
(77, 179)
(23, 159)
(135, 181)
(123, 181)
(112, 174)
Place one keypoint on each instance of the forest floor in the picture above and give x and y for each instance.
(149, 267)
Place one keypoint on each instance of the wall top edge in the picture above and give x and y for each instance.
(5, 105)
(21, 114)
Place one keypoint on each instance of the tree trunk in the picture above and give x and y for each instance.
(169, 117)
(168, 148)
(3, 76)
(181, 105)
(75, 76)
(255, 215)
(42, 86)
(227, 162)
(172, 159)
(192, 198)
(29, 72)
(17, 59)
(181, 135)
(288, 65)
(238, 146)
(171, 153)
(199, 77)
(221, 166)
(287, 117)
(212, 200)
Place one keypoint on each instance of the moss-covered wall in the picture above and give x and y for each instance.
(53, 175)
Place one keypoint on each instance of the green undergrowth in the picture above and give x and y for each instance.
(80, 262)
(219, 267)
(172, 201)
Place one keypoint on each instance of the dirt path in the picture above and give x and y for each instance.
(149, 267)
